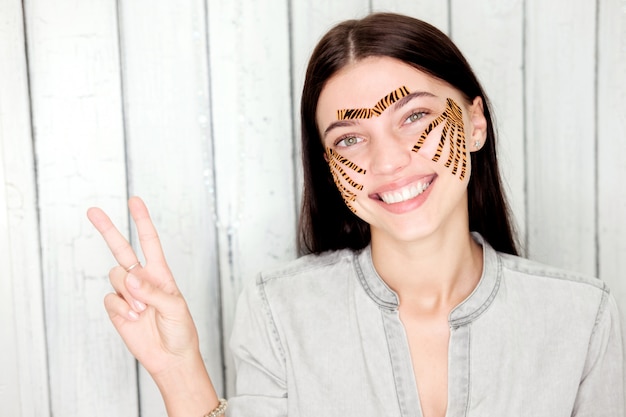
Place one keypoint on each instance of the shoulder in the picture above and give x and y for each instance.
(307, 284)
(516, 267)
(548, 288)
(309, 266)
(308, 279)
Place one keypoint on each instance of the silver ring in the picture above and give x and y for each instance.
(135, 265)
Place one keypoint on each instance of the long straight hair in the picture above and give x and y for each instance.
(325, 221)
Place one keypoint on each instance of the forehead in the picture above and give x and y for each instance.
(363, 84)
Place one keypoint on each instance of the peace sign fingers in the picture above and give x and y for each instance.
(146, 307)
(117, 243)
(148, 236)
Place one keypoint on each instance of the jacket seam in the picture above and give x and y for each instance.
(368, 290)
(270, 317)
(461, 321)
(600, 313)
(299, 269)
(393, 367)
(562, 276)
(469, 370)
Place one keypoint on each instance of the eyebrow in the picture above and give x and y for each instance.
(396, 106)
(403, 101)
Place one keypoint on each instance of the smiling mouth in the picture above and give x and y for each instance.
(404, 194)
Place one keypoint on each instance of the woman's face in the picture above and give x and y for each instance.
(397, 142)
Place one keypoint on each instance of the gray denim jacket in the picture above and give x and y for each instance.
(322, 336)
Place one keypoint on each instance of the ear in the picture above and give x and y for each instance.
(478, 122)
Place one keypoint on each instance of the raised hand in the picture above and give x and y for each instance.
(150, 313)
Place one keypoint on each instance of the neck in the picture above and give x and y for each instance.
(433, 274)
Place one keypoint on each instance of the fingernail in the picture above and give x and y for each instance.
(132, 315)
(139, 305)
(133, 281)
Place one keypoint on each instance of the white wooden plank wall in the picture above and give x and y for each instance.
(24, 384)
(194, 106)
(560, 100)
(74, 75)
(167, 118)
(611, 148)
(497, 55)
(252, 125)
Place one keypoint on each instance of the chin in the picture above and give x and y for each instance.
(405, 232)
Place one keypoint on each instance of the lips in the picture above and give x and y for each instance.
(407, 192)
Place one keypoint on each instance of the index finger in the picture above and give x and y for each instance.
(117, 243)
(148, 236)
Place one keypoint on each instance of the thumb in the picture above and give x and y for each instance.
(164, 302)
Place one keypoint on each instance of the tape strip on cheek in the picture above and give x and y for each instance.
(345, 161)
(336, 168)
(337, 163)
(453, 132)
(420, 142)
(347, 195)
(460, 151)
(457, 139)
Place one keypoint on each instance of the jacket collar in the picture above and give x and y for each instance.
(467, 311)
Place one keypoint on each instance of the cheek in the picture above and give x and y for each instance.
(428, 146)
(450, 149)
(346, 175)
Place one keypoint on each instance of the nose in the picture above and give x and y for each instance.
(389, 155)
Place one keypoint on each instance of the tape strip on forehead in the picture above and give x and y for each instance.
(381, 106)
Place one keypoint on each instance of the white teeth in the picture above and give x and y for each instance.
(404, 194)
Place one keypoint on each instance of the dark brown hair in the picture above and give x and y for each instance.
(325, 221)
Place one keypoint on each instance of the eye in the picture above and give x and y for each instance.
(415, 116)
(347, 141)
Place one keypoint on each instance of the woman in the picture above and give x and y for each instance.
(412, 301)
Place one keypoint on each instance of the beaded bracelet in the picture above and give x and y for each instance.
(219, 410)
